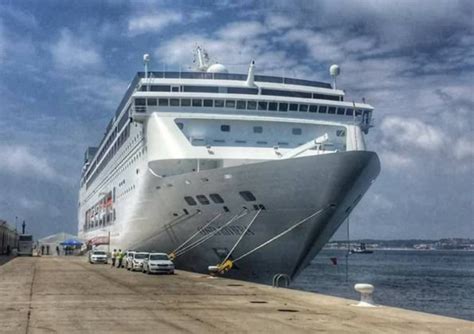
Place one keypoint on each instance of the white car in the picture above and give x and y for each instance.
(137, 259)
(158, 263)
(98, 256)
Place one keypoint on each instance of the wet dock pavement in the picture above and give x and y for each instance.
(67, 294)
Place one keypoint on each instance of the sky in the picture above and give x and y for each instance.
(64, 66)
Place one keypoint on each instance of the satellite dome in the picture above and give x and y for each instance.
(217, 68)
(334, 70)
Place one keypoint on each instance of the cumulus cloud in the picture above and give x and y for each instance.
(72, 51)
(411, 132)
(153, 22)
(20, 160)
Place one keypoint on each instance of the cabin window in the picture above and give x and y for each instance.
(216, 198)
(185, 102)
(190, 200)
(332, 110)
(202, 199)
(257, 129)
(296, 131)
(160, 88)
(273, 106)
(248, 196)
(262, 105)
(175, 89)
(252, 105)
(241, 104)
(219, 103)
(303, 107)
(322, 109)
(151, 102)
(197, 103)
(208, 103)
(163, 102)
(174, 102)
(313, 108)
(230, 103)
(340, 111)
(349, 112)
(283, 107)
(293, 107)
(225, 128)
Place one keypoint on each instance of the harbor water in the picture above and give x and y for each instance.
(439, 282)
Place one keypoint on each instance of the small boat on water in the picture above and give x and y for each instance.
(361, 249)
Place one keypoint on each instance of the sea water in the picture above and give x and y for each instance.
(439, 282)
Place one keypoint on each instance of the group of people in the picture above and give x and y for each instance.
(117, 257)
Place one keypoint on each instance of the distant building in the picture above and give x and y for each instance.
(8, 238)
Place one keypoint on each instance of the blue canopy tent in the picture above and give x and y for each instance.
(71, 242)
(71, 246)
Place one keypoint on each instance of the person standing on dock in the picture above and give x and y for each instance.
(57, 250)
(114, 256)
(120, 258)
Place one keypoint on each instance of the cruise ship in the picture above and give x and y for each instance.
(247, 175)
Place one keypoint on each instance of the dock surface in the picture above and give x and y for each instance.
(67, 294)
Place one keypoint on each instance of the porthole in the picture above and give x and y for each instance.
(247, 195)
(296, 131)
(216, 198)
(257, 129)
(190, 200)
(225, 128)
(203, 199)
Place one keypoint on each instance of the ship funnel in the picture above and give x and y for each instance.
(250, 77)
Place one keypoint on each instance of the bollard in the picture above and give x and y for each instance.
(365, 291)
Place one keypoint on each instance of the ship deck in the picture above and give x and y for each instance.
(67, 294)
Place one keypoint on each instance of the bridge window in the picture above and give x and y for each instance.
(203, 199)
(241, 104)
(174, 102)
(248, 196)
(230, 103)
(251, 105)
(163, 102)
(273, 106)
(303, 107)
(216, 198)
(190, 200)
(140, 102)
(225, 128)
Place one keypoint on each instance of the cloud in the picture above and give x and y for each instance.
(153, 22)
(411, 132)
(19, 160)
(72, 52)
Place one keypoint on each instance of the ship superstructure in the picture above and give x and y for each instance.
(210, 165)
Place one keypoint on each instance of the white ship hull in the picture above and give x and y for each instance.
(289, 190)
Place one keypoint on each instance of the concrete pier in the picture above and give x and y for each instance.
(67, 294)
